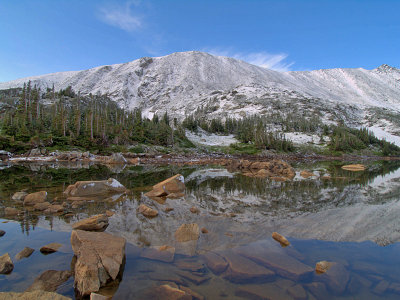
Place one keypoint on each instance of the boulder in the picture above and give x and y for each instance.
(216, 263)
(2, 232)
(172, 185)
(147, 211)
(19, 196)
(187, 232)
(6, 264)
(354, 168)
(94, 188)
(26, 252)
(99, 260)
(49, 281)
(281, 239)
(240, 269)
(94, 223)
(117, 158)
(336, 278)
(37, 295)
(35, 152)
(162, 253)
(322, 266)
(94, 296)
(50, 248)
(41, 206)
(33, 198)
(11, 211)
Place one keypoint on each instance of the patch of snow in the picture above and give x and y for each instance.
(204, 138)
(382, 134)
(115, 183)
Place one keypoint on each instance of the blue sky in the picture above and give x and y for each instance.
(46, 36)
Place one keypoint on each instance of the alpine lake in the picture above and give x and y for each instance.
(348, 218)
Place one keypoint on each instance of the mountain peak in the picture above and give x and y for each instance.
(386, 68)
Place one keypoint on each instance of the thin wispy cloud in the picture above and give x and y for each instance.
(263, 59)
(122, 16)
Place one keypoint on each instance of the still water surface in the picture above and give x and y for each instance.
(350, 218)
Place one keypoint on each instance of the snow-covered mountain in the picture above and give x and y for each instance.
(181, 82)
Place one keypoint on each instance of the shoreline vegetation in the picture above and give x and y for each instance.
(68, 121)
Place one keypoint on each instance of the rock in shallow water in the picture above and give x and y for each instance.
(11, 211)
(6, 264)
(49, 281)
(2, 232)
(94, 188)
(94, 223)
(281, 239)
(187, 232)
(33, 198)
(50, 248)
(172, 185)
(26, 252)
(99, 259)
(37, 295)
(162, 253)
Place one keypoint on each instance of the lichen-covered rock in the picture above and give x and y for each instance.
(99, 259)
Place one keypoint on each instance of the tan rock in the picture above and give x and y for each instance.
(19, 196)
(195, 295)
(306, 174)
(172, 185)
(49, 281)
(241, 269)
(322, 266)
(99, 259)
(175, 195)
(33, 198)
(41, 206)
(147, 211)
(37, 295)
(109, 213)
(194, 210)
(189, 265)
(281, 239)
(94, 188)
(50, 248)
(162, 253)
(166, 292)
(6, 264)
(94, 296)
(55, 208)
(11, 211)
(26, 252)
(354, 168)
(204, 230)
(187, 232)
(168, 209)
(94, 223)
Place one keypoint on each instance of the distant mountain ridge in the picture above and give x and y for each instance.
(181, 82)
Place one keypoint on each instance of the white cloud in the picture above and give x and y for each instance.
(121, 16)
(262, 59)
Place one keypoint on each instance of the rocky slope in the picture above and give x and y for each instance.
(223, 86)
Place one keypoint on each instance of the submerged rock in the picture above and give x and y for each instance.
(336, 278)
(216, 263)
(26, 252)
(100, 257)
(147, 211)
(19, 196)
(33, 198)
(187, 232)
(6, 264)
(162, 253)
(94, 223)
(281, 239)
(49, 281)
(322, 266)
(54, 208)
(172, 185)
(37, 295)
(50, 248)
(94, 188)
(2, 232)
(262, 292)
(166, 292)
(41, 206)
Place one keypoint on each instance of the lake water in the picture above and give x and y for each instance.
(350, 218)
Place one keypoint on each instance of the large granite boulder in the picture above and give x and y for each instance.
(99, 259)
(19, 196)
(94, 188)
(117, 158)
(34, 198)
(94, 223)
